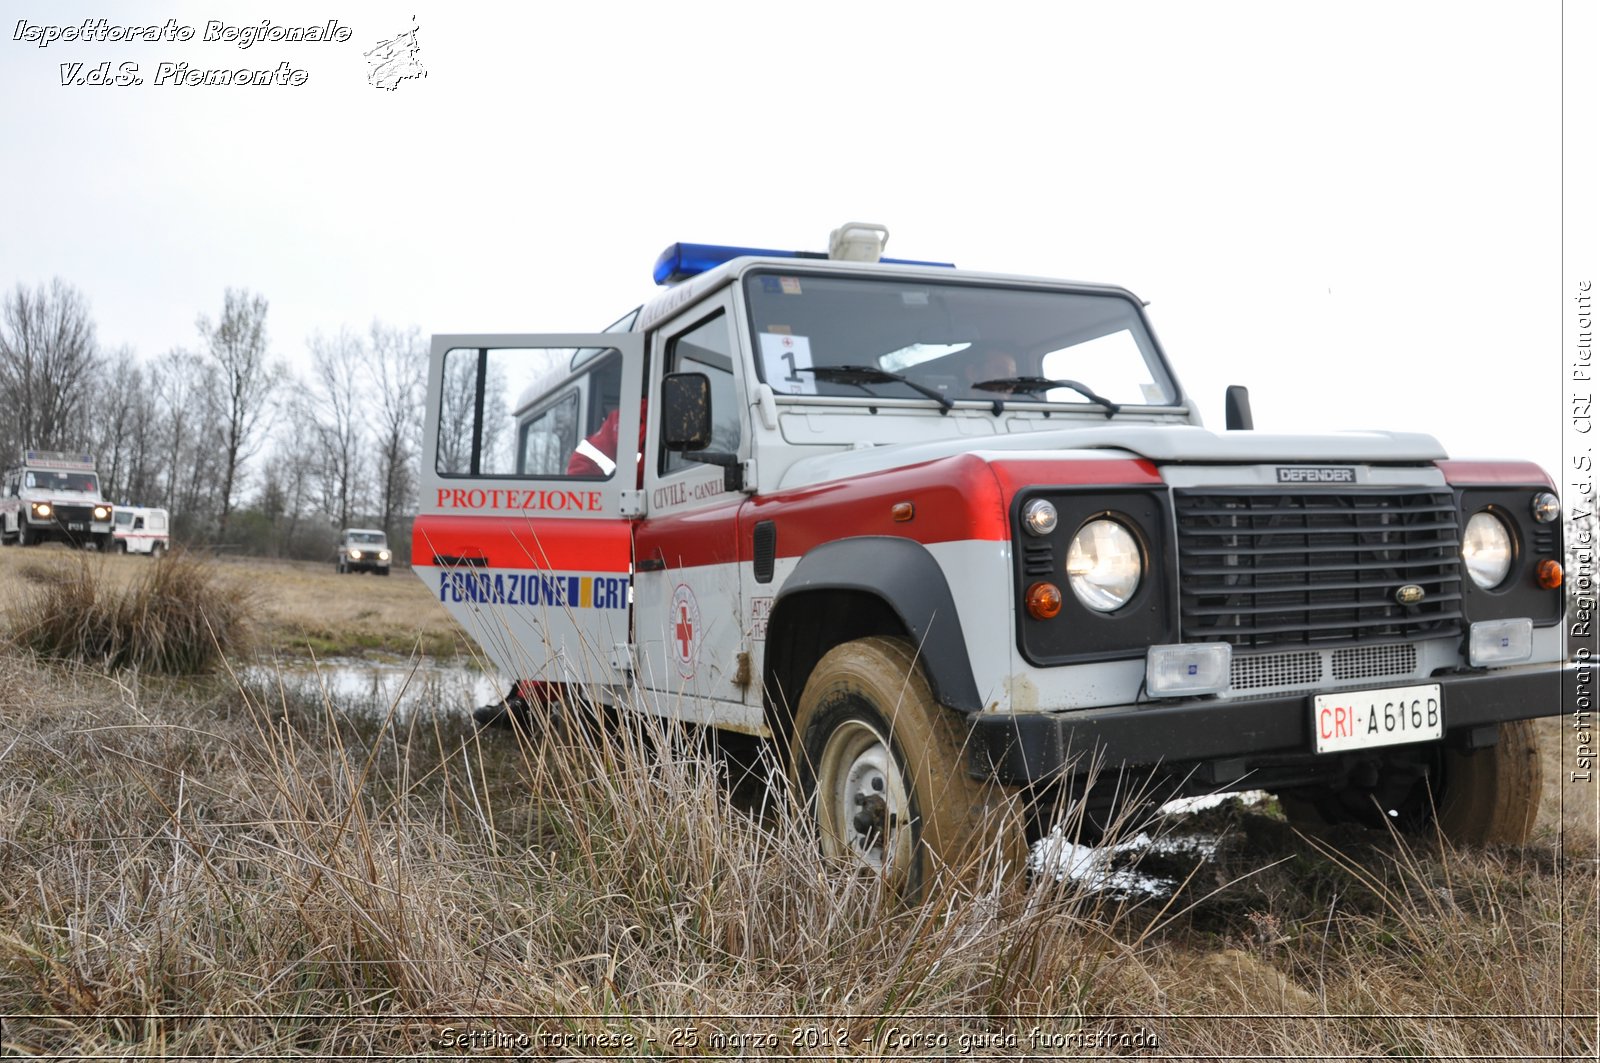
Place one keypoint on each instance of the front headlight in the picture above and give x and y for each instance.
(1486, 549)
(102, 513)
(41, 509)
(355, 555)
(1103, 565)
(383, 555)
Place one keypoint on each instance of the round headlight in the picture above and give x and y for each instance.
(41, 509)
(101, 513)
(355, 555)
(1546, 507)
(1486, 549)
(383, 555)
(1103, 565)
(1039, 517)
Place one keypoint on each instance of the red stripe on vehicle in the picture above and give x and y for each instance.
(956, 499)
(562, 544)
(1079, 472)
(1467, 473)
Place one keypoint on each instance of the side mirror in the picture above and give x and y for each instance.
(1236, 408)
(685, 411)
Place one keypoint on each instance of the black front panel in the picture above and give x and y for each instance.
(1267, 567)
(1532, 542)
(1079, 633)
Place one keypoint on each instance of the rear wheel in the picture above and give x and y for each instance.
(883, 766)
(122, 546)
(156, 550)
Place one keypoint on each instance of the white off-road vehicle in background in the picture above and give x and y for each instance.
(52, 495)
(363, 550)
(140, 530)
(952, 541)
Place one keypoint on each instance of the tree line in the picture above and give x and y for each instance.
(244, 452)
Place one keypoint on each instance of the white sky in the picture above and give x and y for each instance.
(1353, 208)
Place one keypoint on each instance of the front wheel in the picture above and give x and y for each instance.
(25, 535)
(884, 769)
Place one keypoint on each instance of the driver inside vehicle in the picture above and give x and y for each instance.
(995, 362)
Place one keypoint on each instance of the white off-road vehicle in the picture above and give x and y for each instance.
(957, 543)
(362, 550)
(52, 495)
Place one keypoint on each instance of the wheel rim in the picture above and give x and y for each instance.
(862, 804)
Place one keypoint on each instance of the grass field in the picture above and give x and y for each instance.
(213, 867)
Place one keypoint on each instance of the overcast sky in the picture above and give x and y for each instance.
(1354, 208)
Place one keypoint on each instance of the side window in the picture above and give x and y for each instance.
(549, 438)
(708, 348)
(536, 412)
(158, 522)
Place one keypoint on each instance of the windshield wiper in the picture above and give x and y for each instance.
(866, 374)
(1032, 385)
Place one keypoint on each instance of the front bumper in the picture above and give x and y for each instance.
(1221, 740)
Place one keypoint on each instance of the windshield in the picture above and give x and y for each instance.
(949, 338)
(52, 480)
(367, 538)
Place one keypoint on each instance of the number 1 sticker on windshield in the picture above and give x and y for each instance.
(785, 360)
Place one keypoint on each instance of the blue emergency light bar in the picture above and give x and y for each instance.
(682, 261)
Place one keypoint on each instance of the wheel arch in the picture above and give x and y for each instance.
(855, 588)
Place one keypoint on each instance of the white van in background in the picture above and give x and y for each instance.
(139, 530)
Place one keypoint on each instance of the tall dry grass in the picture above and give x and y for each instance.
(179, 616)
(223, 868)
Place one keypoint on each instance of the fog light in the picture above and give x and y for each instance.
(1172, 671)
(1500, 642)
(1044, 601)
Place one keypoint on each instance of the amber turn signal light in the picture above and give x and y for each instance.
(1044, 601)
(1550, 574)
(902, 511)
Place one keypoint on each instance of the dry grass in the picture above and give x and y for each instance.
(215, 870)
(219, 868)
(299, 609)
(176, 617)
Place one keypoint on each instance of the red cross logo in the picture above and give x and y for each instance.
(685, 630)
(683, 617)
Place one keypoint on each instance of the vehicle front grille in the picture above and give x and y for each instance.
(1274, 568)
(73, 514)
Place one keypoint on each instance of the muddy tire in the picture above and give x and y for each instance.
(121, 546)
(1491, 796)
(25, 536)
(882, 766)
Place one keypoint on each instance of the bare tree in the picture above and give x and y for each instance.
(122, 423)
(335, 408)
(248, 378)
(48, 360)
(185, 392)
(401, 361)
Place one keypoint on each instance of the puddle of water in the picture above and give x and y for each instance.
(427, 686)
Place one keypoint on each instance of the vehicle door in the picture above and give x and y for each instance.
(528, 546)
(690, 643)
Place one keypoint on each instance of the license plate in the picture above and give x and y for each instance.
(1361, 719)
(75, 527)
